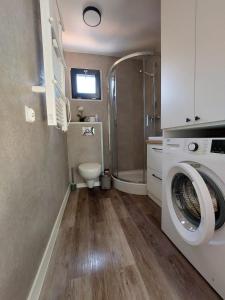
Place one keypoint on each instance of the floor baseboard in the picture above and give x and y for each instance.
(43, 267)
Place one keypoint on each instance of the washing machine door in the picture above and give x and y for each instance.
(190, 204)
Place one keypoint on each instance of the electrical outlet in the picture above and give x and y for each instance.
(29, 114)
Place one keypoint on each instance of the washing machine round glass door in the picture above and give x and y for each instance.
(192, 203)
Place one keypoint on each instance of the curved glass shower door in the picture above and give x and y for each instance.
(113, 123)
(132, 116)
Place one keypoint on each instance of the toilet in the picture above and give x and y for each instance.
(90, 173)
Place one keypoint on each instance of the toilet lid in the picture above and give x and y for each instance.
(89, 166)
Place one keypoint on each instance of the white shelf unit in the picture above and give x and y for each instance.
(58, 106)
(154, 172)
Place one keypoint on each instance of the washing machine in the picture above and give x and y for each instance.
(193, 206)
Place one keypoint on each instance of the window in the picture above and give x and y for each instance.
(85, 84)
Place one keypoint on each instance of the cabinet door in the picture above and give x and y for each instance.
(154, 185)
(210, 61)
(178, 61)
(154, 157)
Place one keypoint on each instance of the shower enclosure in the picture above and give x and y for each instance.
(134, 115)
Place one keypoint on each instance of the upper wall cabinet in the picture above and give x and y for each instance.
(193, 62)
(210, 61)
(178, 62)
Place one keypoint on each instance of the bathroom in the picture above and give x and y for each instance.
(112, 142)
(136, 107)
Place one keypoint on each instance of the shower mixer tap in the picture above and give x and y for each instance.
(149, 118)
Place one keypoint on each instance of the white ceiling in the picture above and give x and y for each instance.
(127, 26)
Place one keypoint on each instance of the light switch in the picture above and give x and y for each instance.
(29, 114)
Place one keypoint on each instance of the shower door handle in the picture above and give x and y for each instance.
(147, 117)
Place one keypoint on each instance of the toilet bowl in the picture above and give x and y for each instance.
(90, 173)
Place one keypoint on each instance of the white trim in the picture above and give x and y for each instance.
(83, 184)
(43, 267)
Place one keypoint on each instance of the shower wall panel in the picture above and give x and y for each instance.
(130, 126)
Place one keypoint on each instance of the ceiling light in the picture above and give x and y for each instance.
(91, 16)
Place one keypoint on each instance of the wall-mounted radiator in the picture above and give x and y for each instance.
(58, 106)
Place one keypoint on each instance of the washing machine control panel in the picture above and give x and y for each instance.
(193, 147)
(218, 146)
(197, 146)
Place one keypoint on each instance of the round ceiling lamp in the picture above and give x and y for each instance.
(92, 16)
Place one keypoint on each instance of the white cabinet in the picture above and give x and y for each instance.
(178, 62)
(154, 172)
(154, 159)
(193, 62)
(154, 183)
(210, 61)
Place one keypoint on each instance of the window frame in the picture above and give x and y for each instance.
(85, 96)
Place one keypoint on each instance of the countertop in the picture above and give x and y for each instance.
(155, 140)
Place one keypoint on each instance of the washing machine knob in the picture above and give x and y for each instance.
(193, 147)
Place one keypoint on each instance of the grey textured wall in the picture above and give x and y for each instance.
(33, 157)
(98, 62)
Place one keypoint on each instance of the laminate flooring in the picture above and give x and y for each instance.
(110, 247)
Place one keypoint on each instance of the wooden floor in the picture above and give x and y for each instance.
(110, 246)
